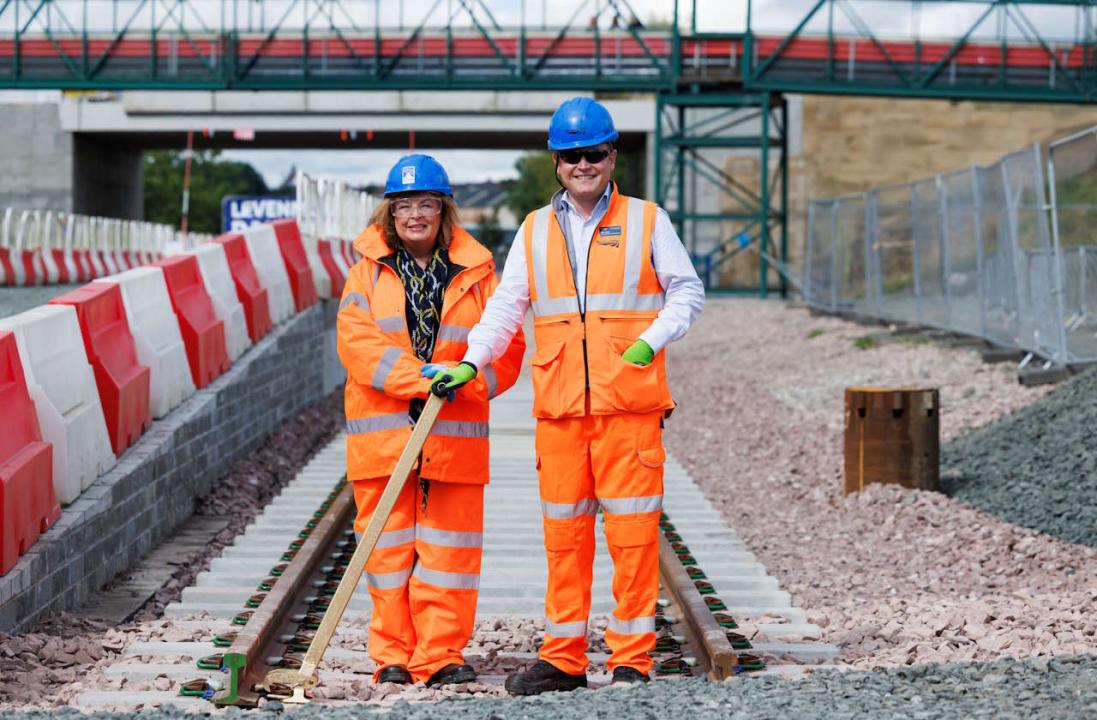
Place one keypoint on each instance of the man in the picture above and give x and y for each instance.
(610, 285)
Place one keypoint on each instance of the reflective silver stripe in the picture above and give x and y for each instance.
(544, 305)
(449, 538)
(566, 630)
(567, 511)
(384, 368)
(394, 538)
(391, 421)
(460, 428)
(555, 306)
(631, 505)
(492, 381)
(389, 581)
(376, 273)
(634, 246)
(455, 581)
(453, 333)
(618, 301)
(392, 324)
(356, 298)
(636, 626)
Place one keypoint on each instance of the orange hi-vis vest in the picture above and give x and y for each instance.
(383, 372)
(580, 352)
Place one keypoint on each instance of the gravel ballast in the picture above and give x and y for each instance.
(894, 576)
(1004, 689)
(1036, 468)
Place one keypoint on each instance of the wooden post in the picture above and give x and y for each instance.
(892, 436)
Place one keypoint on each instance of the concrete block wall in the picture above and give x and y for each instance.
(153, 488)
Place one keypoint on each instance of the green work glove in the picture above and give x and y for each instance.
(639, 353)
(453, 378)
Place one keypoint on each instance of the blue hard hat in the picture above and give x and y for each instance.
(417, 173)
(580, 122)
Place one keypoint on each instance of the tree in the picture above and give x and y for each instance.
(211, 179)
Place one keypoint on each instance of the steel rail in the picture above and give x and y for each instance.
(718, 659)
(247, 660)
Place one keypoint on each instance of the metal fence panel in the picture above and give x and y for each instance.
(849, 248)
(819, 285)
(893, 238)
(1072, 175)
(963, 280)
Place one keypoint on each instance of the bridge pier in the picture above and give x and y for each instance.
(44, 166)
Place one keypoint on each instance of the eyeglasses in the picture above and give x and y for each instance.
(574, 157)
(406, 209)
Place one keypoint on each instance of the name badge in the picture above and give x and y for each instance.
(611, 230)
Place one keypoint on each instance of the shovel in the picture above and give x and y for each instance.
(306, 678)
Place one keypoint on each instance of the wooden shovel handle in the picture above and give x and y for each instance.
(353, 574)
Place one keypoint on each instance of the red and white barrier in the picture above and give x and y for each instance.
(156, 332)
(215, 274)
(60, 381)
(267, 258)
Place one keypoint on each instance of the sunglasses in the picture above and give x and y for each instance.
(574, 157)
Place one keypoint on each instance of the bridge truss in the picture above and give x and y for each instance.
(711, 87)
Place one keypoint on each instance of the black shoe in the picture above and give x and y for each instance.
(543, 677)
(452, 674)
(394, 674)
(625, 675)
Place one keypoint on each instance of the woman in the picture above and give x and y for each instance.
(407, 308)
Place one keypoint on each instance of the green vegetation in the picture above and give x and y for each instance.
(815, 333)
(211, 179)
(865, 342)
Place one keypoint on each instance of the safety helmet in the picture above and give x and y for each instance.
(417, 173)
(580, 122)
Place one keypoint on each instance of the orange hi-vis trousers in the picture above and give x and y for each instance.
(616, 462)
(424, 573)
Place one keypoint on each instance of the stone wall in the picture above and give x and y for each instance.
(153, 488)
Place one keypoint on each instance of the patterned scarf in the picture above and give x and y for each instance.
(424, 288)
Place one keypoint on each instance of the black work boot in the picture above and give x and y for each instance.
(625, 675)
(452, 674)
(394, 674)
(543, 677)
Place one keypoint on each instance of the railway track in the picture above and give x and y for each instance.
(257, 605)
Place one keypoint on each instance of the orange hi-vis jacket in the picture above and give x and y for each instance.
(579, 351)
(383, 371)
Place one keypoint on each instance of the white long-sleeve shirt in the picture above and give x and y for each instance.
(505, 311)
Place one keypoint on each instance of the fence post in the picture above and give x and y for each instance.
(809, 242)
(916, 254)
(1056, 257)
(980, 256)
(866, 249)
(834, 256)
(946, 257)
(1082, 282)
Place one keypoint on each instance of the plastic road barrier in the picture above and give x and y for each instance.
(267, 258)
(297, 263)
(203, 333)
(123, 383)
(214, 267)
(28, 503)
(252, 295)
(337, 278)
(156, 333)
(61, 384)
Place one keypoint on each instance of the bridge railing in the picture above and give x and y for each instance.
(1006, 252)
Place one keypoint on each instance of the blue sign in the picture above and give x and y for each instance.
(240, 211)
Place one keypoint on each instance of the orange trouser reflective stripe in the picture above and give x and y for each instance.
(615, 461)
(424, 573)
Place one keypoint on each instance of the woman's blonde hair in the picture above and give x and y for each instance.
(383, 216)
